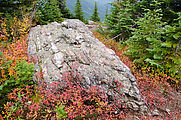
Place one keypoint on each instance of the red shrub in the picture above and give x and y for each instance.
(79, 102)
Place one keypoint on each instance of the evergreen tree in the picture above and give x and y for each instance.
(171, 47)
(106, 15)
(112, 19)
(65, 11)
(78, 11)
(95, 16)
(49, 12)
(169, 8)
(153, 43)
(146, 37)
(120, 20)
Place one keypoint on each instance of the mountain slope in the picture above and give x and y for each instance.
(88, 7)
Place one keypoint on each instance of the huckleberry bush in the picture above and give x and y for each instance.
(11, 79)
(70, 100)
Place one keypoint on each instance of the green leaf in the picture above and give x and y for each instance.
(174, 69)
(176, 36)
(61, 112)
(1, 54)
(19, 94)
(156, 56)
(152, 62)
(166, 44)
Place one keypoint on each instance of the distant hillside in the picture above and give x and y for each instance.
(88, 7)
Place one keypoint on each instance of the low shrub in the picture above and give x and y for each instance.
(67, 99)
(15, 68)
(14, 77)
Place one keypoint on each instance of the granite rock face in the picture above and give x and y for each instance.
(59, 46)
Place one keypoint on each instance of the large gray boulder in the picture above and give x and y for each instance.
(59, 46)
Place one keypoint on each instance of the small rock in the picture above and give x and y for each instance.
(168, 111)
(88, 81)
(155, 113)
(136, 117)
(143, 108)
(149, 114)
(133, 106)
(109, 93)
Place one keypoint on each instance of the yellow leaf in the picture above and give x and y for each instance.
(10, 71)
(3, 72)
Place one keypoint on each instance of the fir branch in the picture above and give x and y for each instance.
(177, 48)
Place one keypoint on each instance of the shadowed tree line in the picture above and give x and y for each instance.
(44, 11)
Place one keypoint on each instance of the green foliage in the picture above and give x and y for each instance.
(16, 106)
(106, 15)
(95, 16)
(153, 43)
(15, 7)
(61, 113)
(145, 43)
(120, 20)
(78, 11)
(49, 12)
(6, 65)
(23, 77)
(150, 39)
(169, 8)
(112, 19)
(25, 73)
(172, 46)
(86, 21)
(65, 11)
(125, 12)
